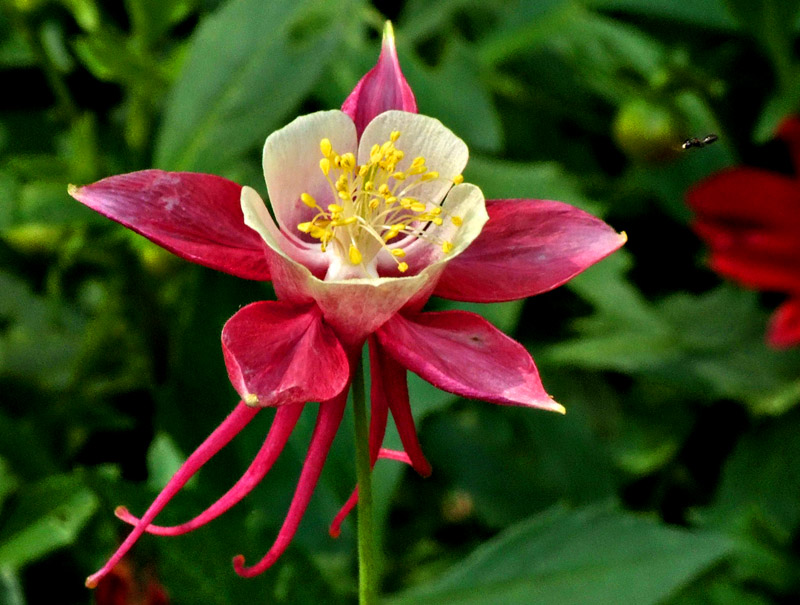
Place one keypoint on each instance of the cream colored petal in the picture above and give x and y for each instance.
(421, 136)
(464, 202)
(355, 307)
(257, 217)
(291, 164)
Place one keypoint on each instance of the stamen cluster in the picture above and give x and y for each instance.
(374, 205)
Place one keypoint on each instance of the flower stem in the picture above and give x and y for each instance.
(367, 563)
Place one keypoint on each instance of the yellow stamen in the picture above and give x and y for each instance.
(398, 252)
(447, 247)
(308, 200)
(325, 166)
(355, 255)
(325, 147)
(458, 179)
(402, 267)
(456, 220)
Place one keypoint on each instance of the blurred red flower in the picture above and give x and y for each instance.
(750, 218)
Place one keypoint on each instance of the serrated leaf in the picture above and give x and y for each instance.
(589, 555)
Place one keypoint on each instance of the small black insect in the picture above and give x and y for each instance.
(694, 142)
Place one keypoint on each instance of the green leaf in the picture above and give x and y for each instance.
(709, 14)
(454, 92)
(589, 555)
(164, 458)
(151, 19)
(248, 67)
(538, 180)
(752, 502)
(11, 592)
(46, 516)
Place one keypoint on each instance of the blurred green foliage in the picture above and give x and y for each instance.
(674, 477)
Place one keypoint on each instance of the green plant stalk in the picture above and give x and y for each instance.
(367, 562)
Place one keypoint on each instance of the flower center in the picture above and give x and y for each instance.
(374, 206)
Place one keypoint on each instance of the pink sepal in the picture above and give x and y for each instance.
(196, 216)
(328, 420)
(527, 247)
(462, 353)
(278, 353)
(230, 427)
(282, 426)
(382, 88)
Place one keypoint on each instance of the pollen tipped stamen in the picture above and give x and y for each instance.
(372, 203)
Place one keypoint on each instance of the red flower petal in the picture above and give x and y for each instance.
(221, 436)
(527, 247)
(462, 353)
(784, 328)
(328, 420)
(196, 216)
(751, 221)
(279, 353)
(382, 88)
(747, 196)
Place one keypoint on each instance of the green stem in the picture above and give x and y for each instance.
(367, 565)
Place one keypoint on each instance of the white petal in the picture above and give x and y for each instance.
(353, 307)
(257, 217)
(422, 136)
(291, 164)
(464, 201)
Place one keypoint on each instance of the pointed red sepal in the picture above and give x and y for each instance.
(222, 435)
(382, 88)
(282, 426)
(527, 247)
(328, 420)
(462, 353)
(196, 216)
(279, 353)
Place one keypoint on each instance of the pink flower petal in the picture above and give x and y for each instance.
(279, 353)
(784, 328)
(282, 426)
(381, 89)
(328, 420)
(462, 353)
(335, 529)
(527, 247)
(390, 389)
(230, 427)
(196, 216)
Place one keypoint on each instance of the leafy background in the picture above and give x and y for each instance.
(675, 475)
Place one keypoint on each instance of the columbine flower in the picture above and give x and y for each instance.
(750, 218)
(372, 217)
